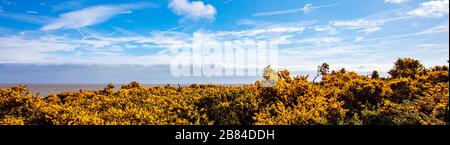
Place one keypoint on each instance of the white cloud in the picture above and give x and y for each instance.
(371, 29)
(35, 19)
(432, 47)
(17, 49)
(444, 28)
(321, 40)
(261, 31)
(253, 23)
(264, 30)
(359, 39)
(31, 12)
(306, 9)
(434, 8)
(88, 16)
(126, 12)
(354, 24)
(327, 29)
(367, 26)
(437, 29)
(52, 49)
(67, 5)
(193, 10)
(395, 1)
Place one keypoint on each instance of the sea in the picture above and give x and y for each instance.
(44, 90)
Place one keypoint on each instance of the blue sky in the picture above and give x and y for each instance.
(360, 35)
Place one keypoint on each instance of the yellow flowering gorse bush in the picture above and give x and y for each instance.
(411, 95)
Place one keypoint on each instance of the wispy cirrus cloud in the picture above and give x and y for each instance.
(53, 49)
(306, 9)
(321, 40)
(369, 24)
(29, 18)
(67, 5)
(433, 8)
(262, 31)
(193, 10)
(31, 12)
(91, 16)
(363, 25)
(253, 23)
(366, 54)
(17, 49)
(396, 1)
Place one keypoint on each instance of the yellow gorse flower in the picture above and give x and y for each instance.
(412, 94)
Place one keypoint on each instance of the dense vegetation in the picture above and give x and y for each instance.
(411, 95)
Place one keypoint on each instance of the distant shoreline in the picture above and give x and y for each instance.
(45, 89)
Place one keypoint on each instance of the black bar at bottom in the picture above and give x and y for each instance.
(223, 134)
